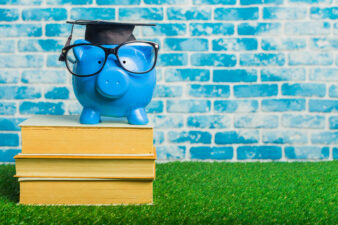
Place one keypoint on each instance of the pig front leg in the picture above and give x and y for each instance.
(89, 116)
(138, 117)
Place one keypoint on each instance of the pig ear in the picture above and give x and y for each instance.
(79, 50)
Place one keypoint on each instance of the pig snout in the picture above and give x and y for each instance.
(112, 83)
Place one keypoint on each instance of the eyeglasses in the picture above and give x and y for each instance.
(89, 59)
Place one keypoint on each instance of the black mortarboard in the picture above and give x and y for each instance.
(108, 33)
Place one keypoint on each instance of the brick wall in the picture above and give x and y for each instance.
(237, 79)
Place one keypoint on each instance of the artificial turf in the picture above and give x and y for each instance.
(203, 193)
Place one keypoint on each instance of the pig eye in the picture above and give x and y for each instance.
(99, 62)
(124, 62)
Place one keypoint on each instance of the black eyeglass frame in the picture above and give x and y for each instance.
(107, 51)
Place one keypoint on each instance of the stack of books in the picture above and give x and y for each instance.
(65, 162)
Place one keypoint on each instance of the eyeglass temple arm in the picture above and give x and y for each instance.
(62, 56)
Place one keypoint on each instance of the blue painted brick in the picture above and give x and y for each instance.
(44, 76)
(118, 2)
(170, 152)
(335, 153)
(63, 30)
(209, 121)
(272, 44)
(213, 59)
(68, 2)
(238, 75)
(93, 13)
(53, 61)
(20, 2)
(283, 105)
(172, 59)
(21, 61)
(259, 29)
(44, 14)
(325, 137)
(324, 13)
(22, 92)
(310, 1)
(209, 90)
(9, 14)
(256, 121)
(283, 74)
(48, 45)
(20, 30)
(307, 152)
(284, 13)
(335, 28)
(198, 29)
(237, 137)
(258, 2)
(173, 75)
(323, 74)
(310, 58)
(235, 106)
(9, 76)
(9, 139)
(167, 91)
(302, 28)
(167, 121)
(262, 59)
(57, 93)
(259, 152)
(165, 29)
(186, 44)
(189, 13)
(333, 91)
(7, 155)
(250, 13)
(7, 108)
(166, 2)
(155, 106)
(333, 122)
(211, 153)
(192, 137)
(214, 2)
(53, 108)
(284, 137)
(10, 124)
(316, 105)
(324, 43)
(303, 121)
(132, 14)
(234, 44)
(188, 106)
(256, 90)
(158, 137)
(306, 90)
(7, 46)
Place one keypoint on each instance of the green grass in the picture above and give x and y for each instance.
(203, 193)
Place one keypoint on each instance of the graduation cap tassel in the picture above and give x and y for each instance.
(62, 55)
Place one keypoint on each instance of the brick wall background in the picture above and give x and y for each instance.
(238, 80)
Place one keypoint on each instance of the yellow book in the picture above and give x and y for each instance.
(84, 166)
(54, 134)
(64, 191)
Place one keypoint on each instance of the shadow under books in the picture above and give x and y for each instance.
(9, 185)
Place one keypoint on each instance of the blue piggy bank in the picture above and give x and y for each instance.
(116, 88)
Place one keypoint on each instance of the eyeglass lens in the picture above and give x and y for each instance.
(84, 60)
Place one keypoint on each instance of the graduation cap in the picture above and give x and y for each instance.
(106, 32)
